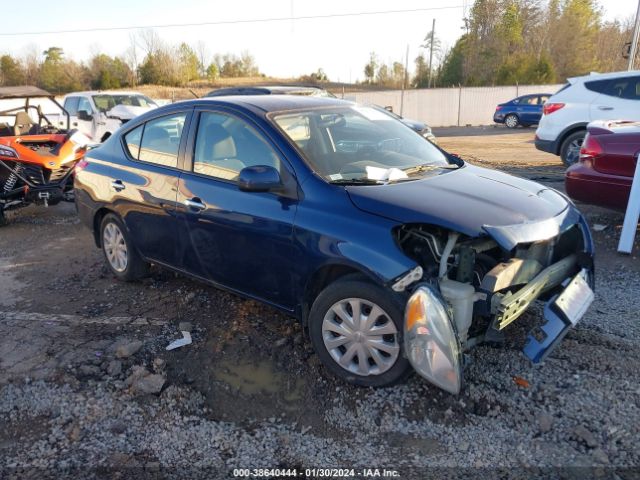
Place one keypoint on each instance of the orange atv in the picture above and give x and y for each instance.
(36, 158)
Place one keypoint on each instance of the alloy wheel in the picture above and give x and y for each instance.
(115, 247)
(573, 151)
(360, 337)
(511, 121)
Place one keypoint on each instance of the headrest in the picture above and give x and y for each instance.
(220, 144)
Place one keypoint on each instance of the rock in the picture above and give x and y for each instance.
(586, 436)
(148, 384)
(89, 370)
(128, 349)
(185, 327)
(545, 422)
(282, 342)
(298, 339)
(118, 427)
(600, 456)
(152, 466)
(137, 372)
(158, 364)
(114, 368)
(74, 433)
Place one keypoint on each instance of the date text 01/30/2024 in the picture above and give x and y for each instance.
(315, 473)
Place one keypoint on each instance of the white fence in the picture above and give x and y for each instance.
(444, 107)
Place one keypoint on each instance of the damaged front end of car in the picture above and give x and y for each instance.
(472, 288)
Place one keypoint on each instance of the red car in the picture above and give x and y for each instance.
(607, 163)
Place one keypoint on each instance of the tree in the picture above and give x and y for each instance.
(371, 68)
(11, 71)
(107, 72)
(189, 64)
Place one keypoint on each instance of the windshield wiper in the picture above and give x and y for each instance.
(357, 181)
(427, 167)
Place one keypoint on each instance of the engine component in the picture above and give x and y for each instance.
(12, 179)
(460, 296)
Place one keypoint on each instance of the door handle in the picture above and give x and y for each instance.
(117, 185)
(604, 107)
(195, 204)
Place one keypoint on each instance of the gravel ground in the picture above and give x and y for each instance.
(87, 389)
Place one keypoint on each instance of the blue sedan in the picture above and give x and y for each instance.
(525, 110)
(390, 251)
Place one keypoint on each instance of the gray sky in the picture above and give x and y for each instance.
(281, 48)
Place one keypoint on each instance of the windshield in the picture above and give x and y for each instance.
(360, 145)
(106, 102)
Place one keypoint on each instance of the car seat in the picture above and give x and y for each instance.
(216, 156)
(23, 124)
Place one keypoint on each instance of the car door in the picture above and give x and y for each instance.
(71, 106)
(527, 109)
(84, 120)
(145, 189)
(239, 239)
(619, 98)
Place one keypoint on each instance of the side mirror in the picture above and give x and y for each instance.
(389, 108)
(84, 115)
(259, 178)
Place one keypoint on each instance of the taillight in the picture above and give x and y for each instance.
(81, 165)
(549, 108)
(499, 107)
(590, 149)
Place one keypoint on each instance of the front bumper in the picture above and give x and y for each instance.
(431, 329)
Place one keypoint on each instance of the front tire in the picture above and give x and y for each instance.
(122, 257)
(356, 331)
(570, 150)
(511, 121)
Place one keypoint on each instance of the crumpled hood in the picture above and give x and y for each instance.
(463, 200)
(127, 112)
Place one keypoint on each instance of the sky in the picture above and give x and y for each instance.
(285, 48)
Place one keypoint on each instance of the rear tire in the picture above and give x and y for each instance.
(365, 349)
(570, 150)
(123, 259)
(512, 121)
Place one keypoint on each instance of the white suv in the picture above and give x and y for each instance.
(607, 96)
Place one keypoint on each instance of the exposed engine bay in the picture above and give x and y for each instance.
(467, 290)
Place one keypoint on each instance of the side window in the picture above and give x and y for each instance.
(530, 100)
(598, 86)
(161, 140)
(132, 141)
(84, 104)
(543, 99)
(225, 145)
(71, 105)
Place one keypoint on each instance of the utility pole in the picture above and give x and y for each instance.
(404, 80)
(433, 30)
(634, 42)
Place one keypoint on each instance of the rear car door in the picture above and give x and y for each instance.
(242, 240)
(527, 109)
(145, 189)
(619, 98)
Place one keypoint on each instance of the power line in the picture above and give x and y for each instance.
(229, 22)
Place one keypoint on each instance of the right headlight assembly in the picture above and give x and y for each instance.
(431, 342)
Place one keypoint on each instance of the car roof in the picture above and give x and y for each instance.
(603, 76)
(26, 91)
(272, 103)
(264, 90)
(104, 92)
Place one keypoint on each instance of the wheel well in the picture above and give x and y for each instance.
(320, 280)
(97, 220)
(564, 136)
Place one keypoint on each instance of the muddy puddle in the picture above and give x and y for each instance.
(250, 379)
